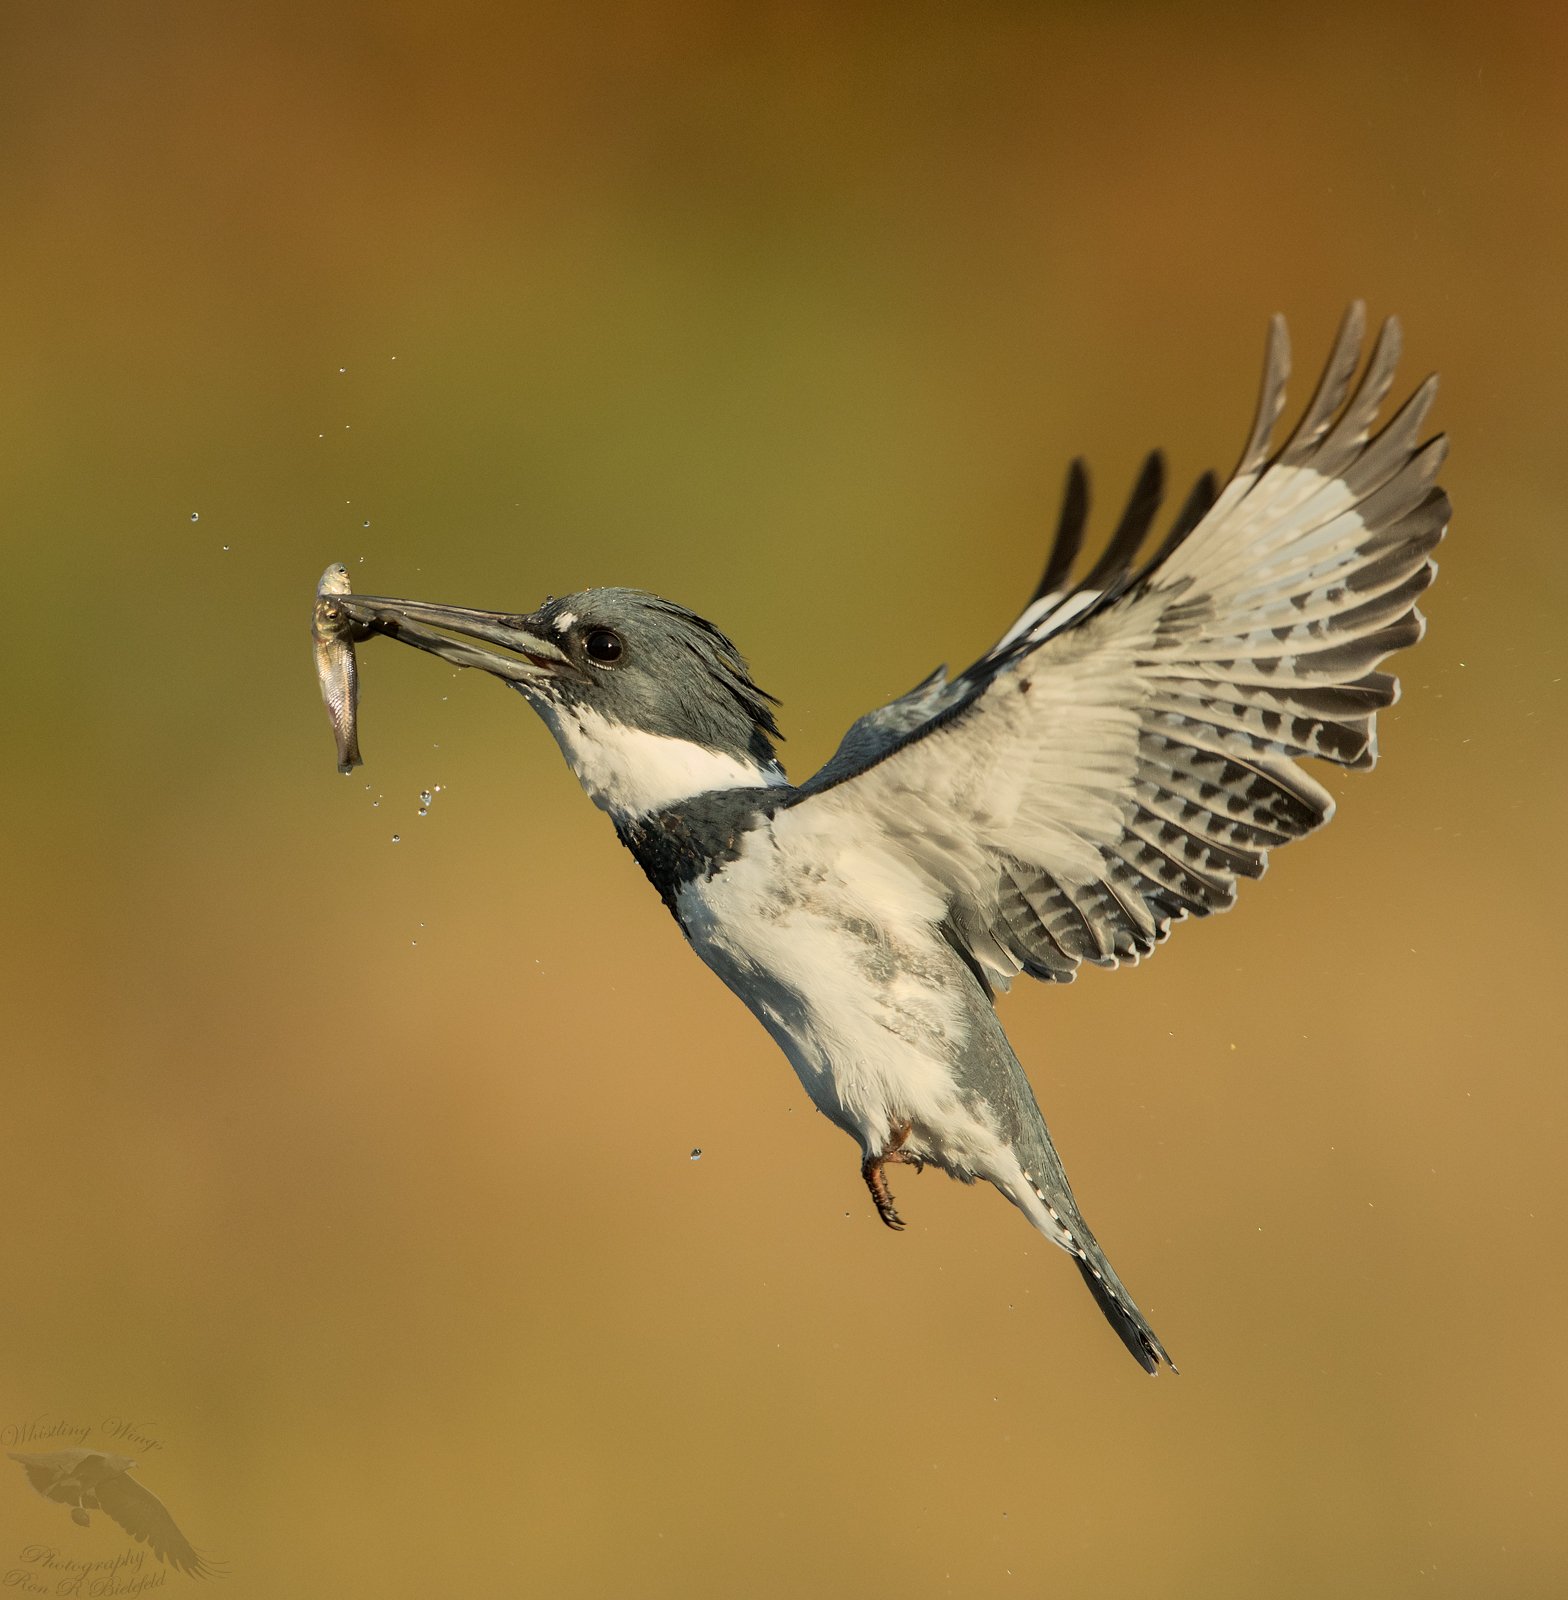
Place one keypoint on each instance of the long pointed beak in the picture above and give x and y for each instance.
(533, 658)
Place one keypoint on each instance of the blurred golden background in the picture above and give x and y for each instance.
(357, 1174)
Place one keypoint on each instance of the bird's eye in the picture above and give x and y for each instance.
(603, 646)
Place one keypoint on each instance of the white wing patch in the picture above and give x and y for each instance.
(1047, 615)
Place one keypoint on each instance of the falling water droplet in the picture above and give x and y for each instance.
(366, 523)
(195, 516)
(424, 797)
(396, 838)
(696, 1154)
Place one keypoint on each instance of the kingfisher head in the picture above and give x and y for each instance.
(649, 703)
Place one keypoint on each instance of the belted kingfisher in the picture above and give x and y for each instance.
(1121, 756)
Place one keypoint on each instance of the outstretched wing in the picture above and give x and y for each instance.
(1127, 751)
(873, 735)
(144, 1516)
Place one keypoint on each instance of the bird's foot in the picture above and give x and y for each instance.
(876, 1179)
(881, 1195)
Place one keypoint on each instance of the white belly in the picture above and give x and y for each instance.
(835, 949)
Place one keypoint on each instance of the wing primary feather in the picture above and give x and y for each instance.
(1400, 494)
(1392, 446)
(1142, 504)
(1070, 525)
(1271, 398)
(1355, 424)
(1194, 508)
(1424, 528)
(1332, 387)
(145, 1517)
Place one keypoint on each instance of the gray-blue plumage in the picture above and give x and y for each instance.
(1121, 757)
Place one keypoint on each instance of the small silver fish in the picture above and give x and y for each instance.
(332, 636)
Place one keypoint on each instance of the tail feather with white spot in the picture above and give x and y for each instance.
(1110, 1294)
(1047, 1201)
(1024, 1165)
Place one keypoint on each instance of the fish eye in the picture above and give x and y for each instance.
(603, 646)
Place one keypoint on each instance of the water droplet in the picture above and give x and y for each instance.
(365, 523)
(342, 369)
(424, 797)
(696, 1154)
(195, 516)
(396, 838)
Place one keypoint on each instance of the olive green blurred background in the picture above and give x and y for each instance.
(357, 1173)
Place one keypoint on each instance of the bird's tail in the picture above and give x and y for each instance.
(1048, 1203)
(1033, 1178)
(1110, 1294)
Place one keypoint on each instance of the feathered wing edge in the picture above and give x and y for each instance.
(1055, 601)
(1275, 600)
(145, 1517)
(1258, 621)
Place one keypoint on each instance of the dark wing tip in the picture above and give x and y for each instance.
(1070, 525)
(1148, 490)
(1194, 508)
(145, 1517)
